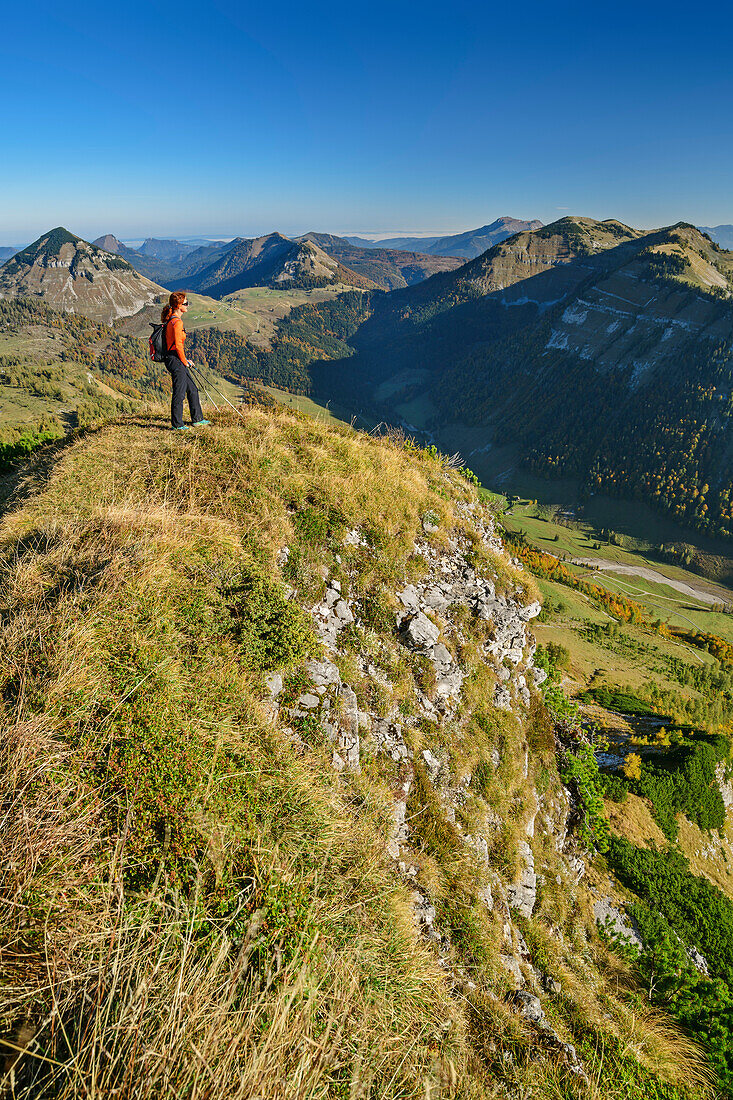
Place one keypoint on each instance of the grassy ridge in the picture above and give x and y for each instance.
(192, 889)
(187, 836)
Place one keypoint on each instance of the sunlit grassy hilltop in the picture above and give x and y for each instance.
(207, 891)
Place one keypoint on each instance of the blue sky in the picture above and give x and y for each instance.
(233, 118)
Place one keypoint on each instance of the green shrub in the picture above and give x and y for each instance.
(272, 631)
(615, 788)
(317, 526)
(697, 910)
(683, 781)
(581, 769)
(680, 910)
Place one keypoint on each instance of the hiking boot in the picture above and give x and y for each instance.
(200, 423)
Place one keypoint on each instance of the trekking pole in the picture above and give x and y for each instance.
(222, 395)
(204, 382)
(203, 387)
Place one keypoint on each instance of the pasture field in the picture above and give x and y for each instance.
(575, 540)
(634, 657)
(259, 308)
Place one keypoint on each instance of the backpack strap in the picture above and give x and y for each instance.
(169, 351)
(165, 334)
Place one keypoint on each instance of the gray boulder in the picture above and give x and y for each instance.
(421, 632)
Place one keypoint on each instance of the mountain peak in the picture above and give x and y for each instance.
(48, 244)
(73, 275)
(108, 243)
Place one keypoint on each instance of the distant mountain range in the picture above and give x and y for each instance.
(245, 262)
(589, 349)
(467, 245)
(248, 261)
(387, 268)
(99, 281)
(721, 234)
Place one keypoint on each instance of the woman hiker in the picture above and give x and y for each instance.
(177, 364)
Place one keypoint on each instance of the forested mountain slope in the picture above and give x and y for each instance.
(72, 275)
(272, 260)
(288, 809)
(601, 352)
(60, 371)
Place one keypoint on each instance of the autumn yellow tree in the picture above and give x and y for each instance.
(632, 766)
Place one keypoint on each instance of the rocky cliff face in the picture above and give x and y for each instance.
(429, 624)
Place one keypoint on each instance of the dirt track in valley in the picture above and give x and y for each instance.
(604, 566)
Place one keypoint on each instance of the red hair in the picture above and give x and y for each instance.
(177, 298)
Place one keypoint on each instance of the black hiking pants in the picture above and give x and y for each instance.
(183, 386)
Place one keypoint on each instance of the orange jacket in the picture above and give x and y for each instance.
(174, 338)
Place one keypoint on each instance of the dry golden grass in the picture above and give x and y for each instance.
(709, 854)
(114, 989)
(189, 907)
(632, 819)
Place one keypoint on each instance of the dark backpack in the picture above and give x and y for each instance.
(157, 343)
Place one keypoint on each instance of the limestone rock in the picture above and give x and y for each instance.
(522, 894)
(449, 686)
(502, 698)
(725, 784)
(399, 817)
(432, 764)
(354, 537)
(608, 916)
(421, 632)
(388, 739)
(699, 961)
(530, 1007)
(343, 612)
(274, 682)
(441, 657)
(410, 599)
(322, 673)
(348, 735)
(435, 599)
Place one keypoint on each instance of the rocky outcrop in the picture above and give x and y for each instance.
(426, 626)
(725, 783)
(611, 919)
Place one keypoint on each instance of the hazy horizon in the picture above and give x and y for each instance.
(374, 235)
